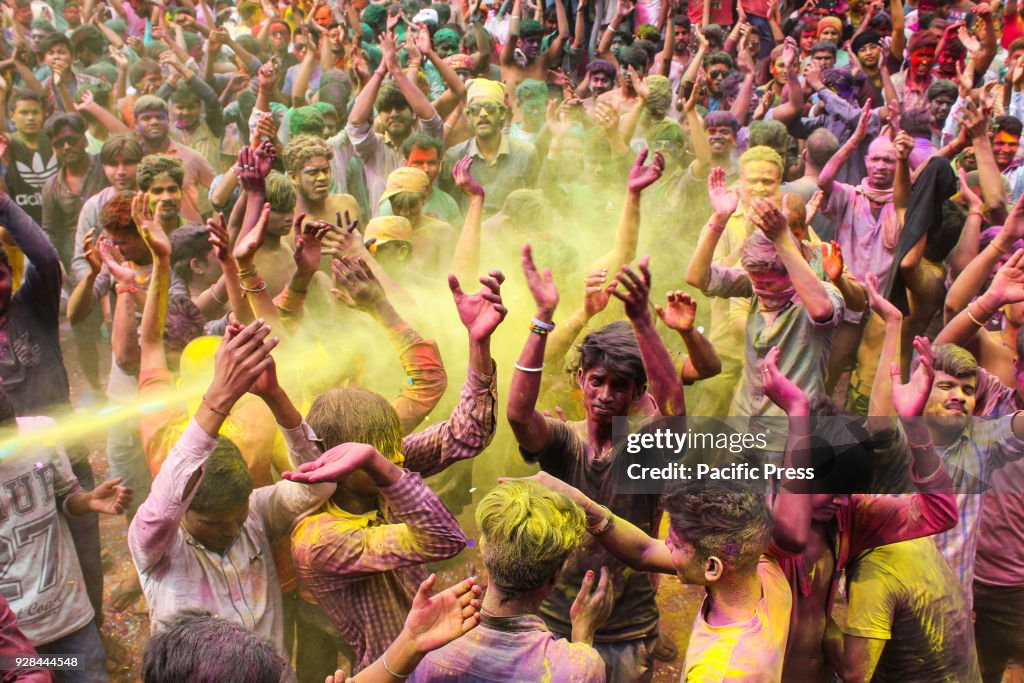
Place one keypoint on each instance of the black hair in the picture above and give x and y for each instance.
(52, 40)
(390, 98)
(60, 120)
(1007, 124)
(196, 646)
(614, 348)
(188, 242)
(422, 141)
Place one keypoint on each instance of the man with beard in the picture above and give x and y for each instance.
(79, 176)
(504, 164)
(631, 60)
(426, 153)
(395, 104)
(600, 79)
(941, 95)
(152, 131)
(29, 160)
(521, 56)
(972, 449)
(307, 161)
(867, 230)
(617, 364)
(199, 131)
(682, 37)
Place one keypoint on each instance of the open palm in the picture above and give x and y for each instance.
(435, 621)
(482, 312)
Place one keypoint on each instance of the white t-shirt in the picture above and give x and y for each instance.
(39, 572)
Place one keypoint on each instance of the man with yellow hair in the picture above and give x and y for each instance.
(362, 555)
(761, 171)
(527, 532)
(505, 164)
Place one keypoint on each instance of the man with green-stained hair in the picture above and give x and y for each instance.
(527, 533)
(531, 103)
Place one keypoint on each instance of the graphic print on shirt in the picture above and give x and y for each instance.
(30, 547)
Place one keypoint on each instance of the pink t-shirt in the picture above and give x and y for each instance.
(749, 651)
(999, 558)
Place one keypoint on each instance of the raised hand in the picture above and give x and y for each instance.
(832, 260)
(541, 285)
(814, 205)
(909, 399)
(308, 244)
(780, 389)
(247, 246)
(250, 173)
(424, 42)
(640, 176)
(346, 240)
(967, 195)
(769, 219)
(86, 101)
(592, 606)
(879, 304)
(267, 76)
(435, 621)
(596, 294)
(334, 465)
(638, 290)
(973, 119)
(389, 51)
(357, 287)
(606, 116)
(91, 251)
(241, 359)
(464, 179)
(723, 200)
(121, 270)
(110, 498)
(481, 313)
(680, 312)
(150, 230)
(862, 126)
(639, 85)
(1008, 284)
(904, 144)
(220, 239)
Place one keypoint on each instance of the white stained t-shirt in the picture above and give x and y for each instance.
(39, 572)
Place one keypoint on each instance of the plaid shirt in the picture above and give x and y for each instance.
(981, 449)
(364, 570)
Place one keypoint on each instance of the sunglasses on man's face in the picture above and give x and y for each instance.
(718, 75)
(67, 140)
(489, 107)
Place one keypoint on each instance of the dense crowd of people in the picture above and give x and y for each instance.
(261, 237)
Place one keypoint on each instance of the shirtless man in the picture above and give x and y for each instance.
(307, 160)
(526, 37)
(632, 64)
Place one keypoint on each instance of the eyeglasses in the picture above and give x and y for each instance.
(67, 140)
(279, 33)
(490, 107)
(717, 74)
